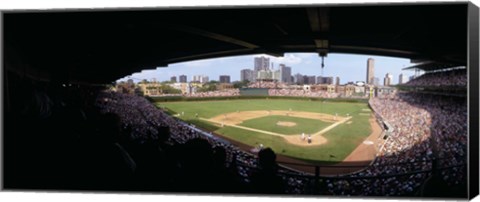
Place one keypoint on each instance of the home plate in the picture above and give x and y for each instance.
(367, 142)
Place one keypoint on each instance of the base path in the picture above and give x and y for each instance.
(242, 127)
(317, 138)
(358, 159)
(367, 150)
(235, 118)
(361, 157)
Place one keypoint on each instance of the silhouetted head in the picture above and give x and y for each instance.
(219, 155)
(197, 153)
(266, 158)
(163, 133)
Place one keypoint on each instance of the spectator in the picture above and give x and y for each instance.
(266, 180)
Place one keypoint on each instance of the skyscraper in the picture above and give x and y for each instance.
(247, 75)
(285, 73)
(204, 79)
(400, 79)
(173, 79)
(337, 81)
(183, 78)
(324, 80)
(200, 79)
(196, 79)
(261, 63)
(224, 79)
(370, 71)
(298, 79)
(388, 79)
(310, 80)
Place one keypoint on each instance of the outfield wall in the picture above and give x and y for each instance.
(249, 97)
(254, 91)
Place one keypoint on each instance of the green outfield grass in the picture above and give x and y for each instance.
(342, 140)
(269, 123)
(209, 109)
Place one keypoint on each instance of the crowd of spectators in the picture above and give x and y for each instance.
(142, 131)
(408, 148)
(301, 93)
(274, 89)
(424, 127)
(456, 77)
(266, 84)
(217, 93)
(118, 141)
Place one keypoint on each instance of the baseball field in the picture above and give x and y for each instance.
(335, 129)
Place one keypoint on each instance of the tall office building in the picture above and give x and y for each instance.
(324, 80)
(261, 63)
(285, 73)
(204, 79)
(247, 75)
(173, 79)
(400, 79)
(200, 79)
(264, 75)
(277, 75)
(311, 80)
(298, 79)
(370, 71)
(183, 78)
(224, 79)
(308, 79)
(387, 81)
(337, 82)
(196, 78)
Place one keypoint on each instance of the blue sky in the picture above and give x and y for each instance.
(348, 67)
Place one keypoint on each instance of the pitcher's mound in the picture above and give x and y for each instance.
(286, 123)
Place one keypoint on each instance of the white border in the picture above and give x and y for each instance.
(90, 4)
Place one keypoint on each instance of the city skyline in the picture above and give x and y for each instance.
(348, 67)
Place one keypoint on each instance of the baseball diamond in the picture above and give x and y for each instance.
(337, 130)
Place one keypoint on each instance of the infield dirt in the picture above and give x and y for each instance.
(236, 118)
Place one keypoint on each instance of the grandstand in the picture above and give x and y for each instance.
(409, 158)
(64, 131)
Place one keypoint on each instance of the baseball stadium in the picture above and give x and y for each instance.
(301, 130)
(76, 118)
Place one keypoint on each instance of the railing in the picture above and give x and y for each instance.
(312, 181)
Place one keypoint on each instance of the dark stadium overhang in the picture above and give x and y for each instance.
(432, 65)
(102, 46)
